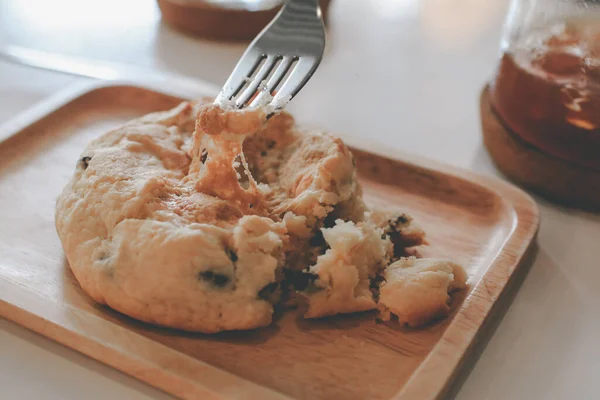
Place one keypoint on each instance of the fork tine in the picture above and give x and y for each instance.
(296, 36)
(236, 81)
(274, 80)
(280, 72)
(266, 68)
(302, 72)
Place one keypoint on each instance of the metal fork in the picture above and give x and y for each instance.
(290, 47)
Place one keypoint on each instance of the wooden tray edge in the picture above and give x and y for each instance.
(435, 375)
(68, 326)
(439, 370)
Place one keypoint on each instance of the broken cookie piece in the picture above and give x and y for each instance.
(357, 253)
(417, 291)
(400, 228)
(354, 275)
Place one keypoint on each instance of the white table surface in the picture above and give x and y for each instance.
(406, 72)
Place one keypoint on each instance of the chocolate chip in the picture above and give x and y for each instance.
(231, 254)
(215, 278)
(396, 224)
(263, 153)
(270, 144)
(402, 219)
(301, 280)
(318, 239)
(376, 281)
(266, 292)
(329, 220)
(203, 156)
(250, 205)
(374, 284)
(85, 161)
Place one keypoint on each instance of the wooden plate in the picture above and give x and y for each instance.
(484, 223)
(554, 178)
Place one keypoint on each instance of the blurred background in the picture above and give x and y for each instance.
(408, 58)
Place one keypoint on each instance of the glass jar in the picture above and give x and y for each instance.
(546, 88)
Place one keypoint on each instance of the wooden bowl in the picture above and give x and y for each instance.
(554, 178)
(232, 20)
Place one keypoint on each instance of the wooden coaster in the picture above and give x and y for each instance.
(558, 180)
(228, 20)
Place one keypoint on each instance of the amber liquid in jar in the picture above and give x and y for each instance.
(547, 90)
